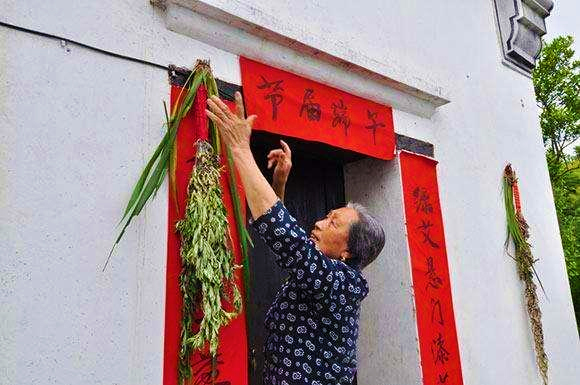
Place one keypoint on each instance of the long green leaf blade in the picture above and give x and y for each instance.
(144, 174)
(143, 197)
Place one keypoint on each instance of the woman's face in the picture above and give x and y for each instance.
(330, 234)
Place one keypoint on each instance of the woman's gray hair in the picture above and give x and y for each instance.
(366, 237)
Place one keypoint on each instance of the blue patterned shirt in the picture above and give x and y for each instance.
(312, 324)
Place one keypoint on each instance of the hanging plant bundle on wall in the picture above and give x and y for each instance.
(163, 161)
(207, 262)
(517, 231)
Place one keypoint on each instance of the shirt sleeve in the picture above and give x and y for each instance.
(315, 272)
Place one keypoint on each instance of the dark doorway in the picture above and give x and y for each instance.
(315, 186)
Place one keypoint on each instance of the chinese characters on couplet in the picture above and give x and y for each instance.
(436, 312)
(374, 125)
(312, 110)
(201, 370)
(309, 107)
(421, 200)
(435, 280)
(443, 378)
(274, 94)
(425, 229)
(339, 115)
(439, 352)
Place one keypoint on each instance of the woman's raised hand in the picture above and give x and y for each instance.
(234, 129)
(281, 158)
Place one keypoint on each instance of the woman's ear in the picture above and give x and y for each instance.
(345, 255)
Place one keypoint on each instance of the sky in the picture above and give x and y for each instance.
(565, 20)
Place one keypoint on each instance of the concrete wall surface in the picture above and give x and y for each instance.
(77, 126)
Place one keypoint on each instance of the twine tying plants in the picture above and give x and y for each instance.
(518, 232)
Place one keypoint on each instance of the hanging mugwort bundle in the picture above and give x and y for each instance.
(206, 279)
(207, 261)
(518, 232)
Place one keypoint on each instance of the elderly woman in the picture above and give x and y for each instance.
(313, 322)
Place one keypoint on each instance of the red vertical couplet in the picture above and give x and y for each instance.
(233, 351)
(438, 344)
(292, 105)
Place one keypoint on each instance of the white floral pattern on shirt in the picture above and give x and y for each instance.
(313, 322)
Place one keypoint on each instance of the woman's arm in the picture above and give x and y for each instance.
(259, 193)
(317, 273)
(235, 131)
(282, 158)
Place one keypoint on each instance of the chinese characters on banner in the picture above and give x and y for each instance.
(232, 362)
(290, 105)
(438, 344)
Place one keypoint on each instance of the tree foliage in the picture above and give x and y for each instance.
(557, 86)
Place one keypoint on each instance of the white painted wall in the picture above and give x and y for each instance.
(76, 128)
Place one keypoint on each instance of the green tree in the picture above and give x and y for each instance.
(557, 85)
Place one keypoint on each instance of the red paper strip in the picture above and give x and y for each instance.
(438, 344)
(233, 350)
(291, 105)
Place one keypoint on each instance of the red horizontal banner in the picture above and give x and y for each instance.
(440, 361)
(290, 105)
